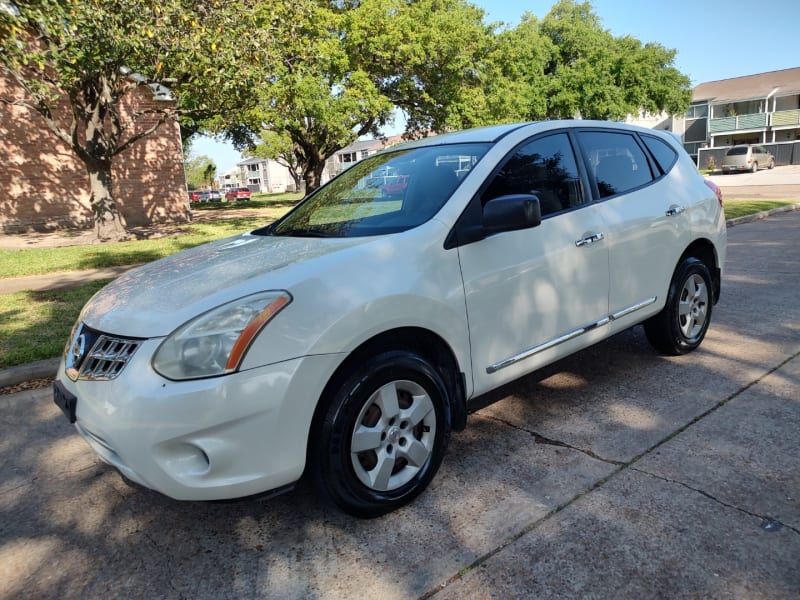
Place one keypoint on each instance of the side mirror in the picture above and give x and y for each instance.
(509, 213)
(504, 213)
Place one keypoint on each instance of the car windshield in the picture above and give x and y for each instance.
(736, 150)
(385, 193)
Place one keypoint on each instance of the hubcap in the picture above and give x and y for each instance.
(393, 436)
(693, 306)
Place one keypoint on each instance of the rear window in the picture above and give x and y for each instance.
(736, 151)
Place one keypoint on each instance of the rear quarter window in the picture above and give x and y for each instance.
(664, 155)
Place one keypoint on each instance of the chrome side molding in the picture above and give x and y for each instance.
(507, 362)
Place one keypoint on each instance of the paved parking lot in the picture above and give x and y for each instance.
(616, 473)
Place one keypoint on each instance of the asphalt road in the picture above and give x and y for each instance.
(616, 473)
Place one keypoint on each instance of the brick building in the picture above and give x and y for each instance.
(45, 186)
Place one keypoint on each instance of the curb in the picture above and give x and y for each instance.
(35, 370)
(47, 368)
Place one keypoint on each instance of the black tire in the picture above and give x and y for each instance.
(771, 164)
(396, 407)
(682, 324)
(754, 168)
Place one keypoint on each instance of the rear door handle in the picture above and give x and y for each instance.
(590, 239)
(675, 210)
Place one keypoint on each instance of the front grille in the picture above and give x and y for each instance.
(106, 358)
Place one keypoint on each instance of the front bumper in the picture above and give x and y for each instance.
(207, 439)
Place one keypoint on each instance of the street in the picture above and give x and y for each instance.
(616, 473)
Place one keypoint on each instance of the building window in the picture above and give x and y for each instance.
(252, 168)
(349, 157)
(697, 111)
(364, 154)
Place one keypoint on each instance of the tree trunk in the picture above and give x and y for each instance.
(312, 174)
(109, 224)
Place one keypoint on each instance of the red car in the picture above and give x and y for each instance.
(194, 196)
(241, 193)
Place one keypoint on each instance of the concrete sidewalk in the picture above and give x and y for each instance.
(615, 473)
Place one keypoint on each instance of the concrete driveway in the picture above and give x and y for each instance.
(617, 473)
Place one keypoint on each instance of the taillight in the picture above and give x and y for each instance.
(714, 188)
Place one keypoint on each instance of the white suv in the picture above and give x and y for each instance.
(348, 338)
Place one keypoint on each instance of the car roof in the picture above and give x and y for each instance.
(493, 133)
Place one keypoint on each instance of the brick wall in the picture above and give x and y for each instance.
(43, 185)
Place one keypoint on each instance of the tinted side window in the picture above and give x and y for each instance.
(665, 155)
(545, 167)
(618, 163)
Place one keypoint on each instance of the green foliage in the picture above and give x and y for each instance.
(567, 66)
(200, 172)
(94, 54)
(346, 65)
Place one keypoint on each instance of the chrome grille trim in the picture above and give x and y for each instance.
(106, 358)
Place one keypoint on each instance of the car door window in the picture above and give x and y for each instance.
(618, 163)
(545, 167)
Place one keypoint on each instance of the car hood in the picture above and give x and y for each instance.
(155, 299)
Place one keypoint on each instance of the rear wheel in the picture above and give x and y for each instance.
(682, 324)
(754, 168)
(384, 434)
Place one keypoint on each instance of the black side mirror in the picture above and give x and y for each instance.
(509, 213)
(504, 213)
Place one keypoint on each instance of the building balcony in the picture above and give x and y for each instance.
(738, 123)
(784, 118)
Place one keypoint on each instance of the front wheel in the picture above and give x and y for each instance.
(682, 324)
(384, 434)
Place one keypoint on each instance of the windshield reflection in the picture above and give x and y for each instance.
(385, 193)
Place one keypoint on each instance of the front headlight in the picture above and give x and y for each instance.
(215, 342)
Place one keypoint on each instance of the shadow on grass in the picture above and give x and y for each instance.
(36, 325)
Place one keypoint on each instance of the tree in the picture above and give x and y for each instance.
(568, 66)
(200, 172)
(597, 76)
(79, 62)
(348, 64)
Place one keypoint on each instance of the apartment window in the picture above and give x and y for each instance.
(364, 154)
(348, 157)
(697, 111)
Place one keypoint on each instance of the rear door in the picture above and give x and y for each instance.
(644, 208)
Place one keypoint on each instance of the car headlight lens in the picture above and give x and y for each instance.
(215, 342)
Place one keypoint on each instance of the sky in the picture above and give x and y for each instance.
(714, 40)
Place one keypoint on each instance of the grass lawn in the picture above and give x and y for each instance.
(36, 261)
(36, 325)
(740, 208)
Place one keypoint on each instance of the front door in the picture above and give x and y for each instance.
(537, 294)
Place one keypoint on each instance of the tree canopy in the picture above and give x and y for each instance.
(200, 172)
(297, 81)
(92, 55)
(350, 64)
(345, 68)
